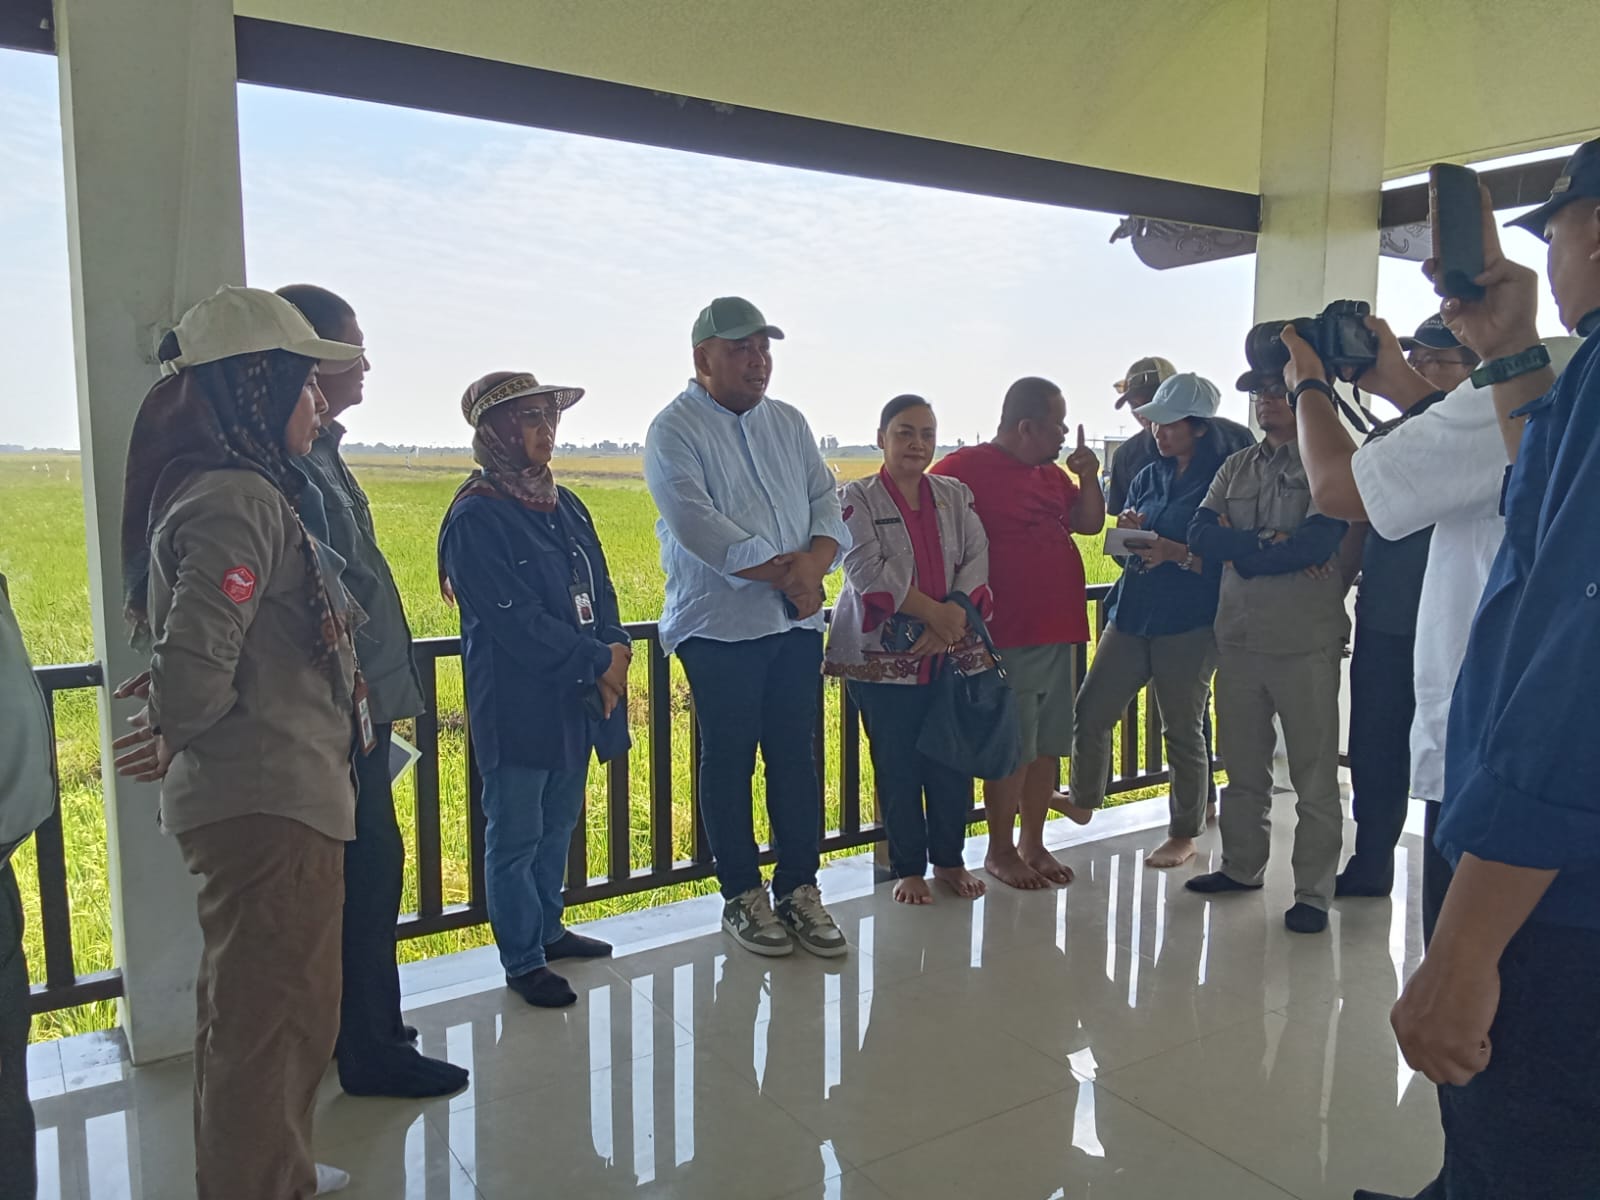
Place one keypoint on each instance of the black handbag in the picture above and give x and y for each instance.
(972, 724)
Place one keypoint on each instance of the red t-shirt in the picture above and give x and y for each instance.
(1035, 570)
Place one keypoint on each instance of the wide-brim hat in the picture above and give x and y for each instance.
(499, 386)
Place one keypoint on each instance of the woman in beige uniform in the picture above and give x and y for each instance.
(254, 704)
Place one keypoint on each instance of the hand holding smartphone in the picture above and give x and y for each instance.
(1455, 210)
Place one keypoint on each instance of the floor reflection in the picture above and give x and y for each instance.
(1110, 1040)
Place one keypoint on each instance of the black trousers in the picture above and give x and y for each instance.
(906, 779)
(374, 864)
(17, 1168)
(1382, 704)
(1526, 1128)
(761, 692)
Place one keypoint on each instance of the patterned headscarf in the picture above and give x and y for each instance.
(504, 472)
(228, 413)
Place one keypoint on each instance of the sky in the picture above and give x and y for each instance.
(468, 247)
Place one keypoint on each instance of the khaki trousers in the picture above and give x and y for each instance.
(1181, 665)
(1302, 690)
(267, 997)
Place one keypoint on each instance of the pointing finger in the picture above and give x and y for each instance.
(1082, 444)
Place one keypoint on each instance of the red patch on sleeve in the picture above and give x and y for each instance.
(238, 584)
(849, 510)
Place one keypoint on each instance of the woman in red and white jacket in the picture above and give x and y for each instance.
(916, 538)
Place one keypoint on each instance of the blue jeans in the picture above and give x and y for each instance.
(530, 818)
(760, 692)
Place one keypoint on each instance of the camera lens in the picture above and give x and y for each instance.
(1263, 350)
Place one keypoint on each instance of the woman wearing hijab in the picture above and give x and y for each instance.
(915, 538)
(254, 703)
(546, 664)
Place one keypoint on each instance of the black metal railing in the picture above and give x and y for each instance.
(1140, 765)
(63, 987)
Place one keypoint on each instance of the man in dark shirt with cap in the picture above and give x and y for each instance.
(1502, 1011)
(1136, 389)
(1435, 354)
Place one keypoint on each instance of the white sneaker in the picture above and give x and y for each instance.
(749, 920)
(331, 1179)
(802, 914)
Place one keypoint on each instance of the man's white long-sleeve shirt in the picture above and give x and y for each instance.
(734, 490)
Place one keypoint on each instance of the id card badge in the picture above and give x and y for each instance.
(582, 605)
(365, 734)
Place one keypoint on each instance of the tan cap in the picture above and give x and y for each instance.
(244, 320)
(1145, 375)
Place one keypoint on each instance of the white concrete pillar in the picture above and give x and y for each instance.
(1322, 142)
(1322, 135)
(149, 122)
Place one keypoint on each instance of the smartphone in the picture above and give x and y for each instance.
(1455, 210)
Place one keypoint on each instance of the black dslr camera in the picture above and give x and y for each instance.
(1339, 336)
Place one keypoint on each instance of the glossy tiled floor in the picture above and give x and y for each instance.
(1120, 1039)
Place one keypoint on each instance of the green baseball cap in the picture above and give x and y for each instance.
(731, 317)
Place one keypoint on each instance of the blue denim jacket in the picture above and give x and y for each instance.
(1167, 599)
(528, 662)
(1522, 755)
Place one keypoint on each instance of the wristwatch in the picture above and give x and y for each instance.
(1499, 370)
(1310, 385)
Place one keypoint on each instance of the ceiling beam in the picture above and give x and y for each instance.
(384, 72)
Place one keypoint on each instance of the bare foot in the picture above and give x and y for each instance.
(912, 889)
(1048, 866)
(1173, 852)
(1010, 870)
(1211, 814)
(1063, 804)
(962, 881)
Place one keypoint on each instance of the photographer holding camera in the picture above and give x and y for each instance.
(1439, 467)
(1280, 632)
(1501, 1013)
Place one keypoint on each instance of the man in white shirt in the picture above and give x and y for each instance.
(750, 524)
(1445, 468)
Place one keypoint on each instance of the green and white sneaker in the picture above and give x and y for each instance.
(802, 914)
(749, 920)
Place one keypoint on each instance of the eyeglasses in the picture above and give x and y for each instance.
(1270, 394)
(1423, 361)
(531, 417)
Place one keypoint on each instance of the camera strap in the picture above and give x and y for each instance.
(1361, 426)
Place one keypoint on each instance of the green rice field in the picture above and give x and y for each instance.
(42, 553)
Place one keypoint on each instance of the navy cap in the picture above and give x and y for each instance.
(1260, 381)
(1432, 334)
(1580, 178)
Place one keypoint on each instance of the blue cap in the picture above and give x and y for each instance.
(1183, 395)
(1580, 178)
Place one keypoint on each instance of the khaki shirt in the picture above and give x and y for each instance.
(254, 726)
(1265, 490)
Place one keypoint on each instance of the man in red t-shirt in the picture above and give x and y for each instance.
(1031, 508)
